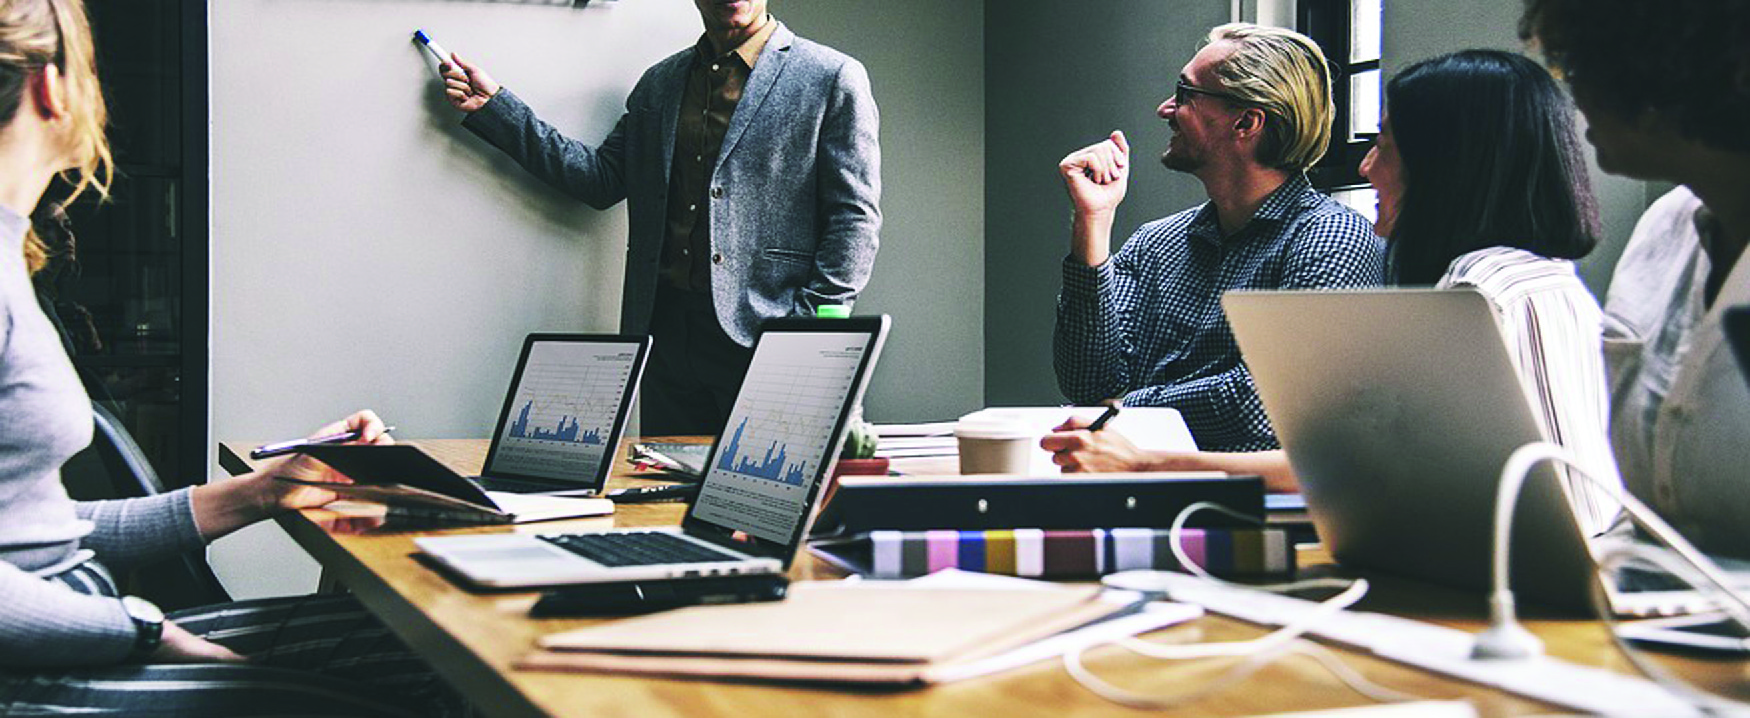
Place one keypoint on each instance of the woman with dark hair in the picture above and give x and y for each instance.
(1480, 185)
(1489, 158)
(1665, 88)
(69, 642)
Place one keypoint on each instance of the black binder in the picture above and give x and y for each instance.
(860, 504)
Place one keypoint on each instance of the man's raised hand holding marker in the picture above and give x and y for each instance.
(466, 87)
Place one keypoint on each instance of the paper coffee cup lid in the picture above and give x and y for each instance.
(974, 426)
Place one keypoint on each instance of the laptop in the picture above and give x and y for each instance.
(1398, 409)
(568, 404)
(762, 477)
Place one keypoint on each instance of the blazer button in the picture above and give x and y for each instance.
(716, 193)
(717, 258)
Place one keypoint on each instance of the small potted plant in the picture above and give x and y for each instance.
(858, 456)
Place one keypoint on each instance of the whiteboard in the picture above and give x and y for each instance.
(368, 251)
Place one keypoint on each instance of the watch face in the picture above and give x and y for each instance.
(141, 609)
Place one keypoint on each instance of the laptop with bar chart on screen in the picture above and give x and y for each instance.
(762, 478)
(568, 403)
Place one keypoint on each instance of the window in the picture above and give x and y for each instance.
(1349, 31)
(135, 304)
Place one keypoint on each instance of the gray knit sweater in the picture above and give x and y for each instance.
(45, 418)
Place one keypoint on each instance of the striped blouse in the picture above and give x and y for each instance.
(1552, 326)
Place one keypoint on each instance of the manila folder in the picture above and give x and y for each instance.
(828, 632)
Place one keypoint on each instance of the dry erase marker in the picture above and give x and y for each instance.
(431, 46)
(266, 451)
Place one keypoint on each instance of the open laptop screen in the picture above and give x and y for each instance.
(567, 404)
(786, 427)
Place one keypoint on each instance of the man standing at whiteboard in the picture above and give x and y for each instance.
(751, 174)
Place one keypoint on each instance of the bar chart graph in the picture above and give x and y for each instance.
(780, 431)
(567, 398)
(771, 468)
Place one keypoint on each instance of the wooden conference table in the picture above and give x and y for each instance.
(472, 639)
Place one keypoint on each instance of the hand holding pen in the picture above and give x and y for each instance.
(1111, 412)
(1079, 445)
(363, 428)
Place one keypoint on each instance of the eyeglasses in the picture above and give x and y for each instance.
(1184, 90)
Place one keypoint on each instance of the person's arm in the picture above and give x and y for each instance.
(1097, 178)
(848, 187)
(46, 624)
(1091, 347)
(132, 532)
(1078, 450)
(594, 175)
(1092, 350)
(226, 505)
(1222, 410)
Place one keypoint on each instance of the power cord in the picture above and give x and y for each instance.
(1255, 654)
(1611, 559)
(1506, 639)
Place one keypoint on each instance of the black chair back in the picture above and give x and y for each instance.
(181, 582)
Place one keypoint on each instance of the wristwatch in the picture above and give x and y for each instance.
(148, 625)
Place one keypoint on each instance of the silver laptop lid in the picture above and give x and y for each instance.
(1398, 408)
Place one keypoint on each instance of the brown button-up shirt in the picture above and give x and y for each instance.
(713, 89)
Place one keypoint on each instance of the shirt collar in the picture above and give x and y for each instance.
(1282, 202)
(749, 51)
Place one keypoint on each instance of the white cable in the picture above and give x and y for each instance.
(1244, 669)
(1513, 476)
(1706, 702)
(1699, 566)
(1268, 642)
(1255, 653)
(1175, 541)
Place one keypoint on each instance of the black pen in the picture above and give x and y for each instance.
(643, 494)
(267, 451)
(1100, 423)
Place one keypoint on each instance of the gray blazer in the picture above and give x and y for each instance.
(794, 195)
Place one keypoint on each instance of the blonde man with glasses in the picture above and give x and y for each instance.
(1250, 114)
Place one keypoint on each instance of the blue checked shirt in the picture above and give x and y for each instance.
(1147, 325)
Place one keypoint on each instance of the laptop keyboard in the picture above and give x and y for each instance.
(638, 548)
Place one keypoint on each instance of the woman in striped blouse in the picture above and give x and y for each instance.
(1481, 184)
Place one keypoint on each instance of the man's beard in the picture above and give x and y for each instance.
(1180, 158)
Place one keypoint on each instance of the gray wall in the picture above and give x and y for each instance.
(926, 64)
(367, 251)
(1049, 91)
(1415, 31)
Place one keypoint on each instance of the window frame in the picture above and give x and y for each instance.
(1329, 23)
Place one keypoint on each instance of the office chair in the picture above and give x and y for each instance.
(179, 582)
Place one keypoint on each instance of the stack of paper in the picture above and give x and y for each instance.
(1149, 427)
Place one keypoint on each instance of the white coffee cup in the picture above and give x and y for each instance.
(995, 445)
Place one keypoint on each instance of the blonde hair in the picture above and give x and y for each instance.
(1283, 73)
(35, 34)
